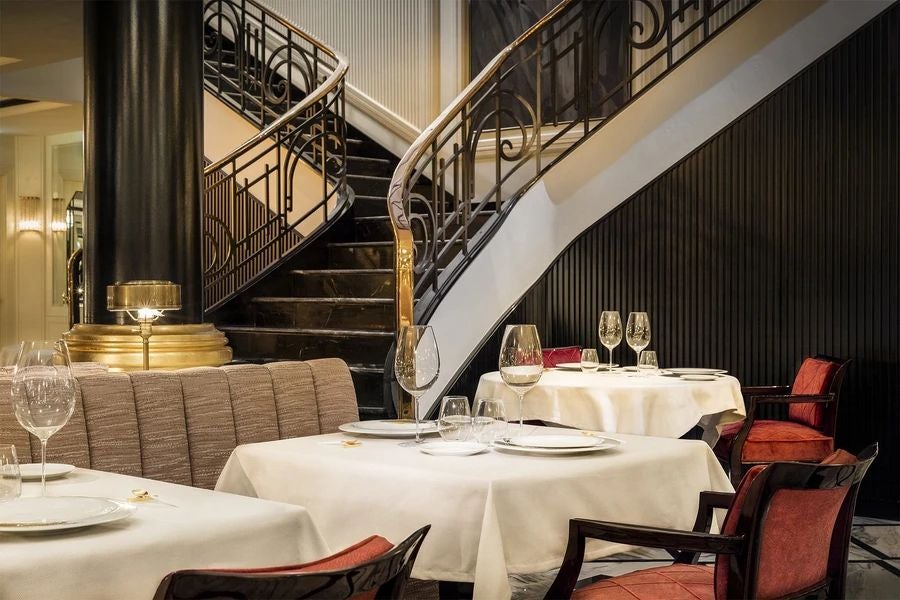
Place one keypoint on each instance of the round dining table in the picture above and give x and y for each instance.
(624, 402)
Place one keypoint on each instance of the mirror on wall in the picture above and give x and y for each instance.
(66, 210)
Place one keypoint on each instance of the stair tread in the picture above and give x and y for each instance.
(360, 176)
(323, 299)
(340, 271)
(369, 158)
(307, 331)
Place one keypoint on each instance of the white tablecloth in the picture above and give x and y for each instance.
(491, 514)
(128, 559)
(624, 403)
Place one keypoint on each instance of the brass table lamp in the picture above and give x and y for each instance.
(144, 301)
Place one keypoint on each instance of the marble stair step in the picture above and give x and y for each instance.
(375, 255)
(359, 283)
(369, 185)
(378, 227)
(325, 312)
(355, 346)
(370, 165)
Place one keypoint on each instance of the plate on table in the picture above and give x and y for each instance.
(698, 377)
(602, 443)
(577, 367)
(553, 441)
(32, 471)
(686, 371)
(395, 428)
(452, 448)
(51, 513)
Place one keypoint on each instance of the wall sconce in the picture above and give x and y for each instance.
(144, 301)
(58, 221)
(29, 210)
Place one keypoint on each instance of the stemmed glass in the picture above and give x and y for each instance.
(521, 362)
(637, 332)
(43, 392)
(416, 365)
(610, 331)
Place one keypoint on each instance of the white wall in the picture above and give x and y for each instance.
(761, 51)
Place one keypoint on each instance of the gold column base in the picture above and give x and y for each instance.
(171, 347)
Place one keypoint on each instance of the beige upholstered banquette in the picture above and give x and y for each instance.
(181, 426)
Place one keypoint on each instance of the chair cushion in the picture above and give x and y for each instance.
(776, 440)
(555, 356)
(673, 582)
(814, 377)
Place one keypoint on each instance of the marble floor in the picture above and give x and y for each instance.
(873, 572)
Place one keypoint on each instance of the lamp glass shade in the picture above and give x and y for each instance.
(29, 210)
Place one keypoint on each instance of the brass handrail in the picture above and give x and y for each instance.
(252, 224)
(536, 101)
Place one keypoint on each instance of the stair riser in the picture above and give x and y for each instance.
(369, 389)
(291, 346)
(322, 315)
(351, 285)
(372, 257)
(357, 166)
(380, 230)
(367, 186)
(370, 207)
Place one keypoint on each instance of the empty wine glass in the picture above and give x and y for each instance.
(648, 363)
(454, 421)
(637, 332)
(10, 476)
(43, 392)
(416, 365)
(610, 331)
(521, 362)
(590, 362)
(489, 420)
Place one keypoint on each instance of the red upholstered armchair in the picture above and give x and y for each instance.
(808, 433)
(371, 569)
(555, 356)
(786, 535)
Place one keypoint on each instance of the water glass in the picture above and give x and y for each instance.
(648, 363)
(489, 421)
(455, 421)
(590, 361)
(10, 476)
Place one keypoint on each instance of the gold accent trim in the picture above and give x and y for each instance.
(174, 346)
(143, 293)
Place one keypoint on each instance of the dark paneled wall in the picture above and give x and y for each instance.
(776, 240)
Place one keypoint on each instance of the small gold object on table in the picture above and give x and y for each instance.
(145, 301)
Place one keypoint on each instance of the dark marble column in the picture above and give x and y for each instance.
(143, 149)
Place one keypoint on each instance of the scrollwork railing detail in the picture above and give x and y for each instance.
(540, 97)
(261, 200)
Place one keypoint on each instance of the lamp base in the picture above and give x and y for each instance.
(120, 347)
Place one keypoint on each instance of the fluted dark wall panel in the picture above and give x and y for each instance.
(776, 240)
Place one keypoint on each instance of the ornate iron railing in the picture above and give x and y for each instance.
(266, 198)
(539, 98)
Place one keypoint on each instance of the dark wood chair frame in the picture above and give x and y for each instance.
(389, 574)
(778, 394)
(742, 550)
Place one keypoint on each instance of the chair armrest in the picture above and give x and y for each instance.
(637, 535)
(791, 399)
(766, 390)
(708, 502)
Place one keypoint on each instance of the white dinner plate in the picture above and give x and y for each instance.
(32, 471)
(405, 425)
(453, 448)
(605, 443)
(553, 441)
(699, 377)
(56, 513)
(400, 431)
(577, 367)
(686, 371)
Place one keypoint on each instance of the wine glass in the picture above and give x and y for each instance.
(610, 331)
(10, 476)
(489, 420)
(416, 365)
(454, 421)
(648, 363)
(590, 362)
(43, 392)
(637, 332)
(521, 362)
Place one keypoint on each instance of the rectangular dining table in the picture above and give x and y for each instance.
(491, 514)
(184, 528)
(624, 402)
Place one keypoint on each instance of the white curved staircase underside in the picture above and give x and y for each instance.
(758, 53)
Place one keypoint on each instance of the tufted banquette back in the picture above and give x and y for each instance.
(181, 426)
